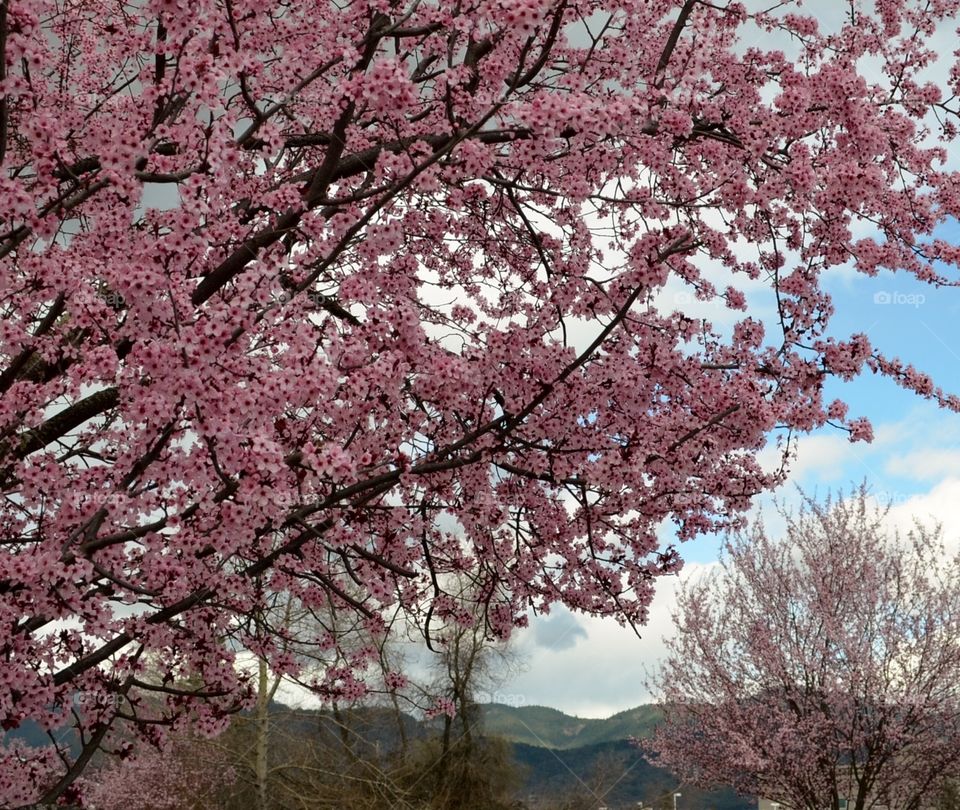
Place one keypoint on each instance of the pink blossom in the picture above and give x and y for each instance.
(292, 308)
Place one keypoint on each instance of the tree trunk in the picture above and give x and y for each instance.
(262, 732)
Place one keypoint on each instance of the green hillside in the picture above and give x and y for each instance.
(549, 728)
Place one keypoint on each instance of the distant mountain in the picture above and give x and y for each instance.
(550, 728)
(574, 757)
(615, 775)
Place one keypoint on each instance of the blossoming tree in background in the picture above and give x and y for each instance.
(326, 298)
(186, 774)
(819, 667)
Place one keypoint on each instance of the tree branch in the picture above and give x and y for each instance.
(668, 49)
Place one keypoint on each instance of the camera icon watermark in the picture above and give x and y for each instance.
(892, 497)
(97, 698)
(894, 298)
(96, 499)
(685, 299)
(512, 699)
(87, 297)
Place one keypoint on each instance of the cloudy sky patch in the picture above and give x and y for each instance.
(559, 631)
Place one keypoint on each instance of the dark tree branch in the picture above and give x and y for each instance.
(68, 419)
(668, 49)
(4, 112)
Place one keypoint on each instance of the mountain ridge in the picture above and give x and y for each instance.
(547, 727)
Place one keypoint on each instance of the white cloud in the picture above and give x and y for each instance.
(826, 454)
(559, 631)
(603, 673)
(926, 464)
(940, 505)
(826, 458)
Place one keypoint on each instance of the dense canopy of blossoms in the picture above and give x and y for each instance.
(335, 299)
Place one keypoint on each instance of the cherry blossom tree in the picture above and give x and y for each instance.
(820, 666)
(315, 297)
(187, 775)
